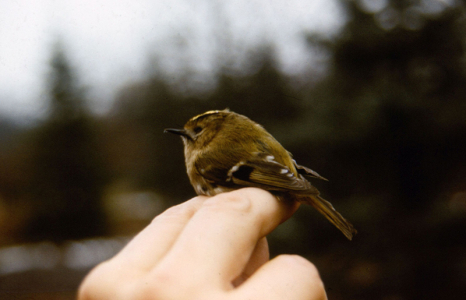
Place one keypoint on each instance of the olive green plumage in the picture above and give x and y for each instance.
(226, 151)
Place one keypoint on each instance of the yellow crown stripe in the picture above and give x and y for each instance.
(210, 112)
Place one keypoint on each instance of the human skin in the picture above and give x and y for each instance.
(208, 248)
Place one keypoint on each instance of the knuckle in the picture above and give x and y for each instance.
(86, 291)
(97, 284)
(170, 284)
(308, 272)
(178, 211)
(229, 202)
(306, 267)
(163, 277)
(162, 286)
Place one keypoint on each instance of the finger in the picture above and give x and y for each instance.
(141, 253)
(284, 277)
(260, 255)
(222, 235)
(150, 245)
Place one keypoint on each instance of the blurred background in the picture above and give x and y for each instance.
(370, 94)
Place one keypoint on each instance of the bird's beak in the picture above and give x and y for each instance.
(181, 132)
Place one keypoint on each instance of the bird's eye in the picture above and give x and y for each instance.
(197, 129)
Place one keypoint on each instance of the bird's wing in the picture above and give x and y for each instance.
(308, 172)
(262, 171)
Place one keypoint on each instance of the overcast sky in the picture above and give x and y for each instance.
(109, 42)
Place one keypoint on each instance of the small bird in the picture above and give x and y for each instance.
(225, 151)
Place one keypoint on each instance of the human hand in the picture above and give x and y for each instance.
(208, 248)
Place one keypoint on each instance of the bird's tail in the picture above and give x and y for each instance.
(326, 208)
